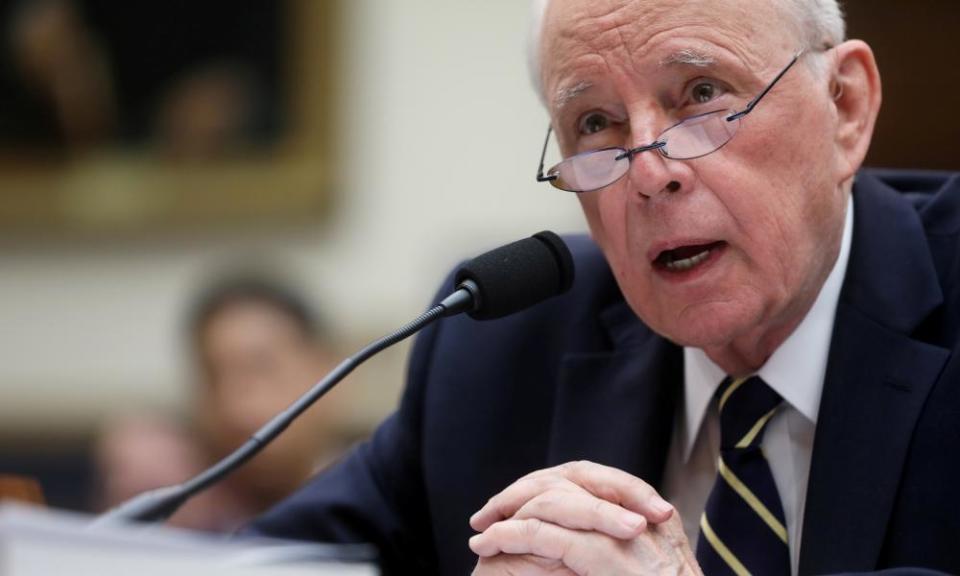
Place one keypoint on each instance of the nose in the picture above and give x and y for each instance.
(651, 173)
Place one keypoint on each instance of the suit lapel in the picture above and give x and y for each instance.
(878, 377)
(617, 407)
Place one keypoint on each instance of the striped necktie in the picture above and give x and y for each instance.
(742, 530)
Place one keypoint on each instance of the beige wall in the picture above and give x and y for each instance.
(437, 112)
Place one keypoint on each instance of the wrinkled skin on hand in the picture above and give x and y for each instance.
(580, 518)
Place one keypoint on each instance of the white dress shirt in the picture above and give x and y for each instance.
(796, 371)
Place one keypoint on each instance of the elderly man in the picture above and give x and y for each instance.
(755, 371)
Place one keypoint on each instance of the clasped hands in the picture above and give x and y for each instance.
(580, 518)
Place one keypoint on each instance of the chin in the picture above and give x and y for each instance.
(709, 325)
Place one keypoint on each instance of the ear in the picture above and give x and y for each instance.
(856, 92)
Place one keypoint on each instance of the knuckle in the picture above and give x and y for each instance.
(582, 466)
(545, 502)
(642, 487)
(608, 493)
(560, 486)
(598, 508)
(566, 549)
(498, 508)
(493, 504)
(576, 470)
(534, 474)
(644, 490)
(543, 473)
(535, 508)
(541, 484)
(531, 527)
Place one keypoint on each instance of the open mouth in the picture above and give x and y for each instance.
(686, 258)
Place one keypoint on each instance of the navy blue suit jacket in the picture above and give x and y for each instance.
(580, 377)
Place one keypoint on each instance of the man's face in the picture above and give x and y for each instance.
(762, 216)
(255, 361)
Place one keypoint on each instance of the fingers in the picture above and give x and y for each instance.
(609, 484)
(580, 510)
(615, 485)
(507, 502)
(582, 552)
(582, 517)
(520, 565)
(578, 551)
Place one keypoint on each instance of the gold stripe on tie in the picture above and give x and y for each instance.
(746, 440)
(731, 389)
(751, 499)
(721, 548)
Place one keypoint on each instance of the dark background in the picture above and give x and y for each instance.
(917, 45)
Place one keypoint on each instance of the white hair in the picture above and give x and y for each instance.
(819, 24)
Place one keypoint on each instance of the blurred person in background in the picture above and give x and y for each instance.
(207, 114)
(55, 86)
(143, 451)
(192, 82)
(257, 346)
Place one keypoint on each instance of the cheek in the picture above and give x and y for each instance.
(604, 218)
(798, 152)
(788, 217)
(786, 169)
(617, 228)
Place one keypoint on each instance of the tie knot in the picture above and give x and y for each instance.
(746, 405)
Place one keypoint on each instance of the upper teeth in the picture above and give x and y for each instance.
(688, 263)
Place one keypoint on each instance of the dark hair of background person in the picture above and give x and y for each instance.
(244, 288)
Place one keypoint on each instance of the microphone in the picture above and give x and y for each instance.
(502, 281)
(518, 275)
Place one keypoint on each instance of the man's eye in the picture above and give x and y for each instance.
(703, 92)
(594, 123)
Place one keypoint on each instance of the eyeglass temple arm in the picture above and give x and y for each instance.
(750, 105)
(543, 155)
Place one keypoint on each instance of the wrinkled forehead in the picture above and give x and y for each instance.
(627, 32)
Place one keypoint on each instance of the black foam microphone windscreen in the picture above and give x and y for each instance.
(518, 275)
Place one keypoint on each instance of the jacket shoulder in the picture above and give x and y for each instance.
(934, 194)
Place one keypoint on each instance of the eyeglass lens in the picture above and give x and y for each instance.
(590, 170)
(692, 138)
(699, 135)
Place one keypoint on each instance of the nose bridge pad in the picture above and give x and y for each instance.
(654, 145)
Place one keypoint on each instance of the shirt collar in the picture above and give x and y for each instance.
(795, 370)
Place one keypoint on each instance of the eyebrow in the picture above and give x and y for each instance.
(685, 56)
(564, 95)
(689, 57)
